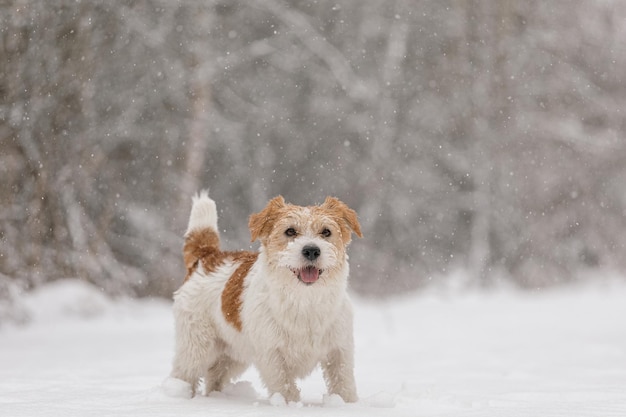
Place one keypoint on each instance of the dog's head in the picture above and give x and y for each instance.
(310, 242)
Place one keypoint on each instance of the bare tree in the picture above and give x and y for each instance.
(485, 136)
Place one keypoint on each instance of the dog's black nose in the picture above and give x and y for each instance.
(311, 252)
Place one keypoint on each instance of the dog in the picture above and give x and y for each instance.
(283, 309)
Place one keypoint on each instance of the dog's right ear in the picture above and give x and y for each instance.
(261, 223)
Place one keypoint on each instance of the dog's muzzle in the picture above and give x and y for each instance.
(308, 274)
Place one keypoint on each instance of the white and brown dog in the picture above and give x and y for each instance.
(284, 309)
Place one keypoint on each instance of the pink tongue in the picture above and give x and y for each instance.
(309, 274)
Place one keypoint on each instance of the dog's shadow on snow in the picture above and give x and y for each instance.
(243, 393)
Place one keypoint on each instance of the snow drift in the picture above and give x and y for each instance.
(550, 353)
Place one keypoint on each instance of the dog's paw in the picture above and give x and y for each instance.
(277, 400)
(174, 387)
(241, 389)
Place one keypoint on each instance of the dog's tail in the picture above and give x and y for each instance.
(202, 236)
(203, 213)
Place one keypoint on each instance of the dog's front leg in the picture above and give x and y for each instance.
(338, 368)
(277, 378)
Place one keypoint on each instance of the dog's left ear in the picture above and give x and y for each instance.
(261, 223)
(346, 216)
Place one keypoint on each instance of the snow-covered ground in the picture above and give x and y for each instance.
(550, 353)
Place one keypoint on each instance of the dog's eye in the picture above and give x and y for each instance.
(326, 233)
(291, 232)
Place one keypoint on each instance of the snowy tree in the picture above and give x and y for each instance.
(480, 135)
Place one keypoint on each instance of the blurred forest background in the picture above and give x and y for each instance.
(478, 136)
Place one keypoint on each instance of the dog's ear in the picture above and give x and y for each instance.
(261, 223)
(346, 216)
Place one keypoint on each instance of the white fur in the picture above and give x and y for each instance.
(292, 256)
(288, 328)
(203, 212)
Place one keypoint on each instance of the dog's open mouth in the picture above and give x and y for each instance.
(308, 274)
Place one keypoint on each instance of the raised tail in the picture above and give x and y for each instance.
(203, 213)
(202, 237)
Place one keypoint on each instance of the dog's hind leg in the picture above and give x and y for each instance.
(221, 372)
(196, 349)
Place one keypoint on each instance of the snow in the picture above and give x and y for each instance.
(547, 353)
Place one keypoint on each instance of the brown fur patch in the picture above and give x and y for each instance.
(202, 244)
(261, 224)
(231, 295)
(346, 217)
